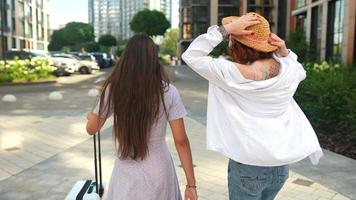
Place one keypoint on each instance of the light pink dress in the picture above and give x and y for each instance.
(155, 177)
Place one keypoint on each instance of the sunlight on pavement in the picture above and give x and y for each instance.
(10, 140)
(99, 80)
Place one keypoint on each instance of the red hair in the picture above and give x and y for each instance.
(243, 54)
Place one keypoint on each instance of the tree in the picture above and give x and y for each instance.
(92, 47)
(107, 40)
(121, 43)
(169, 43)
(57, 41)
(151, 22)
(78, 33)
(74, 35)
(221, 49)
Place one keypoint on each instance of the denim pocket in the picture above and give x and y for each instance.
(251, 179)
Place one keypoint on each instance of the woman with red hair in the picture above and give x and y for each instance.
(252, 117)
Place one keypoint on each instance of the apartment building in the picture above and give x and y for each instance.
(114, 16)
(329, 25)
(24, 25)
(197, 15)
(104, 16)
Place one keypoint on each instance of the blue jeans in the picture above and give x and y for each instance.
(247, 182)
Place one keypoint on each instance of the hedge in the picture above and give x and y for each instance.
(328, 98)
(25, 70)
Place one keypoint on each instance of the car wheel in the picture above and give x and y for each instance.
(59, 73)
(84, 70)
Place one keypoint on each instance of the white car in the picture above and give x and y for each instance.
(84, 66)
(64, 66)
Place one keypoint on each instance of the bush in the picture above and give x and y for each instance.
(25, 70)
(298, 43)
(328, 98)
(221, 49)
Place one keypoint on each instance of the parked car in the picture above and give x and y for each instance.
(22, 55)
(84, 66)
(61, 67)
(64, 66)
(86, 56)
(103, 60)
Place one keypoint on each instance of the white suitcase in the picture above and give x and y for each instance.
(87, 189)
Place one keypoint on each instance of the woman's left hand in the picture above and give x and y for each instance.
(190, 194)
(238, 26)
(277, 41)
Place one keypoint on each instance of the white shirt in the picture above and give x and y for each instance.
(253, 122)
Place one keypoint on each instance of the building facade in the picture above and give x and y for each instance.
(24, 25)
(114, 16)
(197, 15)
(104, 16)
(329, 25)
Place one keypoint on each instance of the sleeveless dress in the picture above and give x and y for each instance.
(153, 178)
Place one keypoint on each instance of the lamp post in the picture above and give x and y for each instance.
(3, 37)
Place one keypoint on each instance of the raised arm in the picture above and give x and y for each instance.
(197, 55)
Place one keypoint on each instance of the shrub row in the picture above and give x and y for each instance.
(25, 70)
(328, 98)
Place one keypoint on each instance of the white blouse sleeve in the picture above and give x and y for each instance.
(197, 57)
(293, 58)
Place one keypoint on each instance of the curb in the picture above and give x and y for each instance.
(29, 83)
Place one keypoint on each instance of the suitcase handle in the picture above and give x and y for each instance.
(99, 187)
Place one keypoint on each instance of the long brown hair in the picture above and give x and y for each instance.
(243, 54)
(136, 88)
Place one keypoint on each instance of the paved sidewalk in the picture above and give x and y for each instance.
(44, 148)
(54, 177)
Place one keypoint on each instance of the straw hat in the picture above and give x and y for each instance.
(258, 41)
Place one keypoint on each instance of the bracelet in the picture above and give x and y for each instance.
(191, 186)
(222, 30)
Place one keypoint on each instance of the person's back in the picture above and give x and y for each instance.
(252, 117)
(141, 100)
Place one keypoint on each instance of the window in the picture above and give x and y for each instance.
(186, 17)
(22, 44)
(263, 7)
(301, 21)
(301, 3)
(335, 29)
(282, 19)
(315, 32)
(14, 46)
(13, 24)
(22, 28)
(187, 28)
(227, 8)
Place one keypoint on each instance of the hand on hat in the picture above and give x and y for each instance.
(277, 41)
(238, 26)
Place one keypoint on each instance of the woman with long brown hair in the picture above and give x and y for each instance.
(141, 100)
(252, 116)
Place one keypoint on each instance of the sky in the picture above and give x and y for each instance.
(64, 11)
